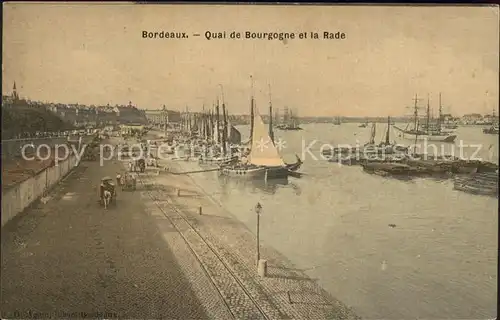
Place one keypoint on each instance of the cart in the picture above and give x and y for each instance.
(107, 192)
(128, 182)
(141, 164)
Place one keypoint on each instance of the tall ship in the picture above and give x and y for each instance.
(337, 121)
(419, 130)
(289, 121)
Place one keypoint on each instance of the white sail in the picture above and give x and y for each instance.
(263, 152)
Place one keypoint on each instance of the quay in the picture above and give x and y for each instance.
(155, 254)
(12, 148)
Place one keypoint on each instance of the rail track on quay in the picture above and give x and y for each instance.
(236, 297)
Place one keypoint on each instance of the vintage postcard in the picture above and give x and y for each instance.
(196, 161)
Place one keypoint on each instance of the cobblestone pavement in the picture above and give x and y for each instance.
(239, 303)
(286, 293)
(70, 255)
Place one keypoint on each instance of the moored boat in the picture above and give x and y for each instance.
(289, 121)
(420, 135)
(450, 126)
(264, 160)
(431, 133)
(294, 166)
(390, 168)
(478, 183)
(385, 151)
(217, 160)
(491, 130)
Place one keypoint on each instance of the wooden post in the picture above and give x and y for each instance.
(200, 210)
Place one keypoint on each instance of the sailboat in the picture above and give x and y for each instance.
(222, 152)
(337, 121)
(372, 135)
(494, 125)
(290, 121)
(491, 130)
(264, 160)
(334, 154)
(292, 167)
(371, 151)
(386, 146)
(429, 134)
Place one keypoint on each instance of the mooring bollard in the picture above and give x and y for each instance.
(262, 268)
(178, 192)
(200, 210)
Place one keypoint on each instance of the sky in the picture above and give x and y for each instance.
(95, 54)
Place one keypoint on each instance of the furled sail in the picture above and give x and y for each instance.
(387, 134)
(263, 152)
(216, 132)
(372, 136)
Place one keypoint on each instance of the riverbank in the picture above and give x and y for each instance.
(228, 251)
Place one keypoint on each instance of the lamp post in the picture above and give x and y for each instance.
(258, 210)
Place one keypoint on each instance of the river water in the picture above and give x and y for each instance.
(437, 260)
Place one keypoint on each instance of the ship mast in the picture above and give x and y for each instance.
(271, 133)
(252, 105)
(440, 113)
(415, 112)
(224, 122)
(217, 120)
(387, 137)
(428, 113)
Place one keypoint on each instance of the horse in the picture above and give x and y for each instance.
(107, 198)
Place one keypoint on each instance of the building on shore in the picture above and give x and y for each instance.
(471, 118)
(476, 118)
(130, 129)
(159, 117)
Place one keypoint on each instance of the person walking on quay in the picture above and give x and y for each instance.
(118, 180)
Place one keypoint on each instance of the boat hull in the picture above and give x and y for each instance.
(244, 173)
(481, 184)
(256, 172)
(423, 136)
(445, 138)
(289, 128)
(294, 166)
(490, 131)
(389, 168)
(218, 160)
